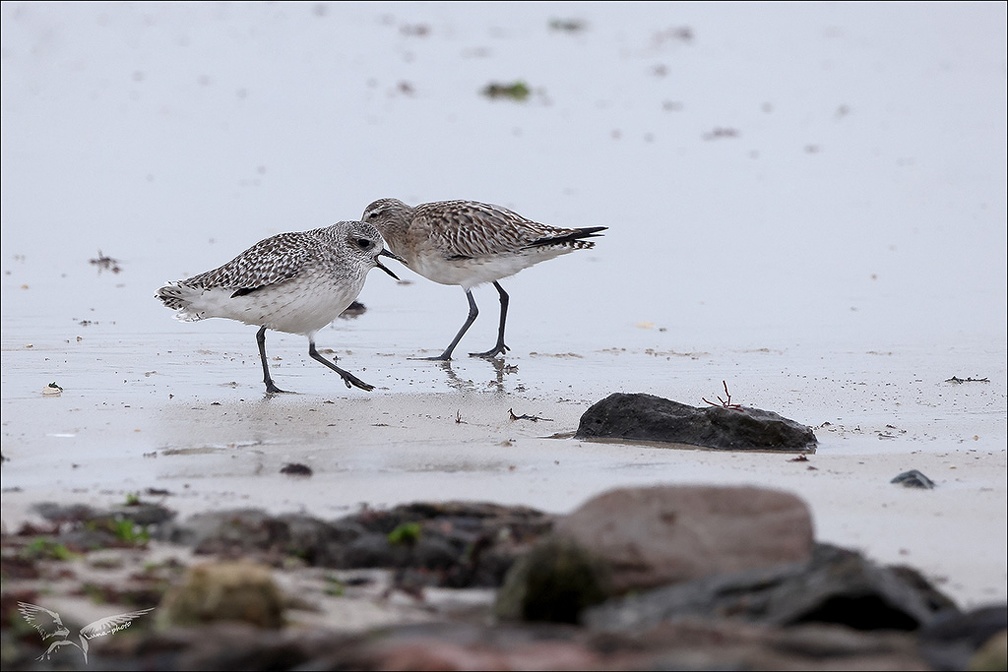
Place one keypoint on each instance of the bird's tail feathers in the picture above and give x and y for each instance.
(178, 298)
(576, 238)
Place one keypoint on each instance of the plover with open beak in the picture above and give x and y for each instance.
(468, 243)
(294, 282)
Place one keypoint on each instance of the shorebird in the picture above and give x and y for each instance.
(294, 282)
(49, 624)
(468, 243)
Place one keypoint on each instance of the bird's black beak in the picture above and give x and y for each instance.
(386, 253)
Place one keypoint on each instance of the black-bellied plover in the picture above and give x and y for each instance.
(467, 243)
(293, 282)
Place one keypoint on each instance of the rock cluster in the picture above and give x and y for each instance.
(639, 578)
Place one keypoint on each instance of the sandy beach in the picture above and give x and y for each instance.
(834, 253)
(225, 449)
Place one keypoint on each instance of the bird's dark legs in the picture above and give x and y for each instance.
(348, 378)
(473, 312)
(500, 348)
(271, 387)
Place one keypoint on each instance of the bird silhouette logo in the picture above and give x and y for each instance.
(50, 625)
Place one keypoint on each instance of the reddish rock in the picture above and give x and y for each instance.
(660, 535)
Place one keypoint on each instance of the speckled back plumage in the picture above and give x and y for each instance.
(468, 242)
(295, 282)
(267, 262)
(470, 229)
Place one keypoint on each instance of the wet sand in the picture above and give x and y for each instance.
(225, 446)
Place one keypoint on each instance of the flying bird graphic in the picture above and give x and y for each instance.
(49, 624)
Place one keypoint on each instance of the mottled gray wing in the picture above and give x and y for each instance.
(267, 262)
(108, 623)
(467, 229)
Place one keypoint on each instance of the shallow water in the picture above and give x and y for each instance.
(804, 202)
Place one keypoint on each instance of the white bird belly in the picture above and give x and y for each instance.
(470, 272)
(302, 305)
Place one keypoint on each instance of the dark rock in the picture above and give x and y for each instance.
(556, 581)
(81, 528)
(65, 513)
(950, 640)
(462, 544)
(744, 595)
(144, 514)
(841, 586)
(836, 586)
(141, 513)
(436, 552)
(466, 543)
(935, 600)
(913, 479)
(658, 535)
(317, 542)
(373, 549)
(296, 469)
(244, 532)
(645, 417)
(461, 517)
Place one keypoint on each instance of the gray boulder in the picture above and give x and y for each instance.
(836, 586)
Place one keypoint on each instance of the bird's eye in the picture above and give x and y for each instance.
(363, 243)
